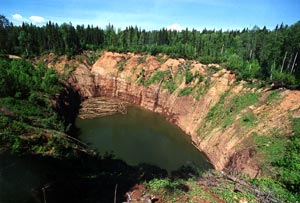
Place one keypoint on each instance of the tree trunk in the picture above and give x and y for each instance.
(294, 62)
(283, 62)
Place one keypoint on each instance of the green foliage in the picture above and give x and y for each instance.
(283, 77)
(25, 101)
(206, 59)
(200, 77)
(226, 190)
(195, 190)
(142, 59)
(251, 53)
(212, 69)
(170, 85)
(92, 57)
(289, 164)
(171, 190)
(273, 97)
(199, 92)
(235, 62)
(159, 185)
(218, 108)
(16, 144)
(121, 64)
(274, 187)
(18, 78)
(281, 157)
(68, 70)
(157, 77)
(161, 59)
(243, 101)
(248, 120)
(251, 71)
(186, 91)
(224, 111)
(141, 78)
(188, 77)
(271, 148)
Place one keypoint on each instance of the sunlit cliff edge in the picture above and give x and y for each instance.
(220, 114)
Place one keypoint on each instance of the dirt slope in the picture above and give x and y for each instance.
(210, 113)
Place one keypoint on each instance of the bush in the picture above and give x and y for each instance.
(170, 85)
(157, 77)
(234, 62)
(290, 163)
(283, 78)
(186, 91)
(121, 64)
(188, 77)
(248, 120)
(158, 185)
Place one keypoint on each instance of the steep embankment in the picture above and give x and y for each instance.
(220, 114)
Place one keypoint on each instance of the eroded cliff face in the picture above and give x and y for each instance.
(132, 78)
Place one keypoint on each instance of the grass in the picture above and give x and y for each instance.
(212, 70)
(195, 190)
(273, 97)
(121, 64)
(279, 160)
(274, 187)
(170, 190)
(248, 120)
(185, 65)
(157, 77)
(161, 59)
(178, 190)
(189, 77)
(68, 70)
(226, 190)
(224, 112)
(243, 101)
(270, 148)
(218, 108)
(186, 91)
(170, 85)
(142, 59)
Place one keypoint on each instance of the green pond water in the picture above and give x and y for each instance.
(138, 137)
(142, 136)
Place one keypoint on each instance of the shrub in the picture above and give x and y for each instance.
(188, 77)
(248, 120)
(186, 91)
(170, 85)
(158, 76)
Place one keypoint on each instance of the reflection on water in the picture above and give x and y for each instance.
(141, 137)
(138, 137)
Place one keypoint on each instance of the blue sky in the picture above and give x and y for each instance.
(155, 14)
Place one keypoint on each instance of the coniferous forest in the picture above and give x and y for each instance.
(27, 90)
(256, 53)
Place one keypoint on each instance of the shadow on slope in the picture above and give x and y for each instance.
(85, 179)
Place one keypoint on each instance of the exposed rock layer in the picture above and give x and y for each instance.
(224, 147)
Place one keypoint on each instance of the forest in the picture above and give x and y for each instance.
(27, 91)
(270, 56)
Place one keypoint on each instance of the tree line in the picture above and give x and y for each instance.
(257, 53)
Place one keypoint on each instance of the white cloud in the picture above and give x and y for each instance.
(37, 19)
(175, 26)
(18, 17)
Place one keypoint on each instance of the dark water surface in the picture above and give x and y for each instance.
(142, 137)
(138, 137)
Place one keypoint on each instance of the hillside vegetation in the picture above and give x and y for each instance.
(251, 123)
(30, 121)
(257, 53)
